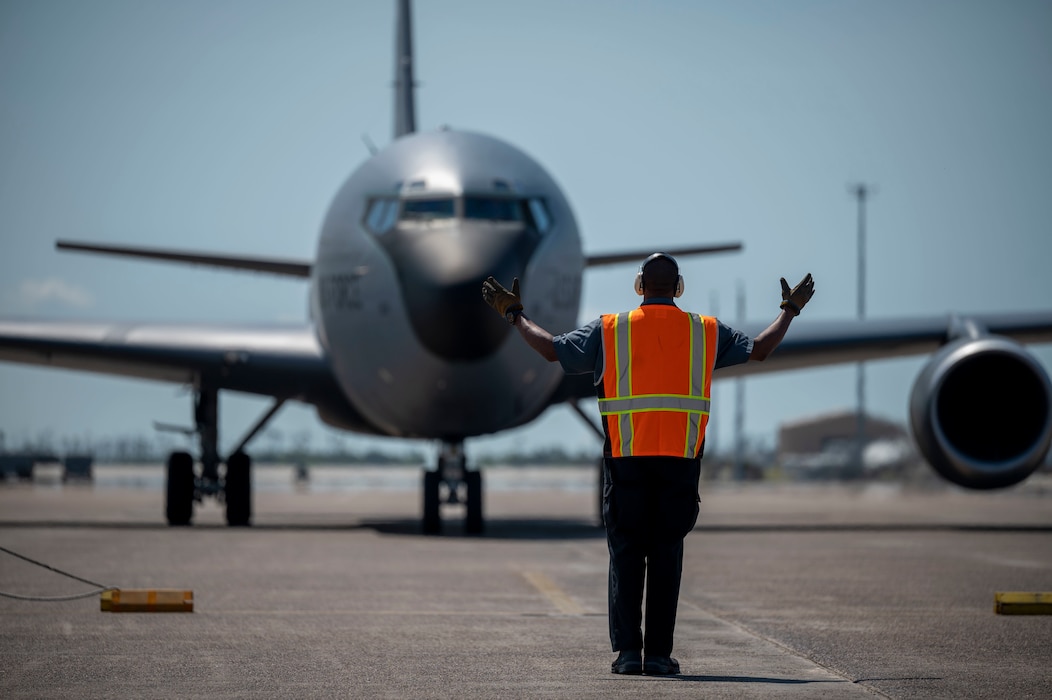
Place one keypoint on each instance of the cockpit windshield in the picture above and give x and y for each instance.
(383, 213)
(427, 209)
(493, 208)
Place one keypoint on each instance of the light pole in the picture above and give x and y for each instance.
(739, 402)
(861, 192)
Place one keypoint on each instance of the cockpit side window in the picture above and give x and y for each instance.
(381, 214)
(542, 219)
(427, 209)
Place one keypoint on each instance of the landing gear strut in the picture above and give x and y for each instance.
(180, 497)
(452, 482)
(237, 489)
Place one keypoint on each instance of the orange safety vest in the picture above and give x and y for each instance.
(657, 380)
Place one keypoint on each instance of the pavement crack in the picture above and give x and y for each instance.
(783, 646)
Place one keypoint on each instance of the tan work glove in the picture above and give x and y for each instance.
(508, 304)
(794, 299)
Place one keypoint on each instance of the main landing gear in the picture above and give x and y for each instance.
(233, 487)
(452, 482)
(185, 487)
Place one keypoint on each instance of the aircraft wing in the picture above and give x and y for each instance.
(822, 343)
(284, 362)
(274, 266)
(302, 268)
(637, 256)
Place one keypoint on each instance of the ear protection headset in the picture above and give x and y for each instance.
(639, 275)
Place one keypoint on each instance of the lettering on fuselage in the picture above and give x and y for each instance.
(567, 290)
(340, 292)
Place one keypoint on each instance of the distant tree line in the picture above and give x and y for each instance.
(542, 456)
(139, 449)
(341, 456)
(274, 449)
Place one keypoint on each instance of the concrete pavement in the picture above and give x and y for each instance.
(789, 591)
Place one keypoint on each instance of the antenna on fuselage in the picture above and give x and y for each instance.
(404, 107)
(373, 150)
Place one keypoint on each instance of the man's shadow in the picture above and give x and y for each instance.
(742, 679)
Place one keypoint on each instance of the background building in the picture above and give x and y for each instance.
(824, 446)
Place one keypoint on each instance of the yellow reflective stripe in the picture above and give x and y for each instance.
(699, 350)
(697, 370)
(622, 360)
(653, 402)
(691, 418)
(622, 354)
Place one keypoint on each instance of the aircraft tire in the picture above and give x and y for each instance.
(238, 490)
(473, 522)
(432, 522)
(179, 507)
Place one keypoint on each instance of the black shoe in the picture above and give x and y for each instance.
(628, 662)
(660, 666)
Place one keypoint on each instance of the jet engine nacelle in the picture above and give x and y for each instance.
(981, 412)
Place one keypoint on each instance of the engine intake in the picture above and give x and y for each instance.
(981, 412)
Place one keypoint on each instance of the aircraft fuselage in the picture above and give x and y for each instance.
(403, 251)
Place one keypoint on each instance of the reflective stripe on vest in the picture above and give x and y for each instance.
(657, 380)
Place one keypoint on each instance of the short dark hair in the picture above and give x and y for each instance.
(660, 275)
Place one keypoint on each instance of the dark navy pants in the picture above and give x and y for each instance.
(649, 506)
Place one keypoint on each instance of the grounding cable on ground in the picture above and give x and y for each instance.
(113, 598)
(99, 588)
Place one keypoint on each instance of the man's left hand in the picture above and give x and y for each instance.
(794, 299)
(507, 303)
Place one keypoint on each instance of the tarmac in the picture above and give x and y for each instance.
(789, 590)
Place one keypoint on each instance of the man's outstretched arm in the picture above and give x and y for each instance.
(769, 338)
(536, 337)
(793, 300)
(508, 303)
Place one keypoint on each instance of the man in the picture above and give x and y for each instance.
(652, 369)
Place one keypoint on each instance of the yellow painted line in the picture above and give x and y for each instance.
(1019, 603)
(375, 612)
(558, 598)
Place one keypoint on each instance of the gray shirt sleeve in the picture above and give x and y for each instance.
(732, 347)
(580, 350)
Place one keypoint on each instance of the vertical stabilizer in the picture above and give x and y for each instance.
(405, 107)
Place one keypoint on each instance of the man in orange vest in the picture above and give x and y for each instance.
(652, 368)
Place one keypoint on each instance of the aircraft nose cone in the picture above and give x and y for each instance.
(441, 273)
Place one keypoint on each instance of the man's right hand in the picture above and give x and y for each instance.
(507, 303)
(794, 299)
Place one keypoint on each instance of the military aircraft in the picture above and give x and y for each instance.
(399, 342)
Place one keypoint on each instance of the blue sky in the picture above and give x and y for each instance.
(229, 125)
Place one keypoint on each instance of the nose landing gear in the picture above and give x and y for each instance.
(453, 483)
